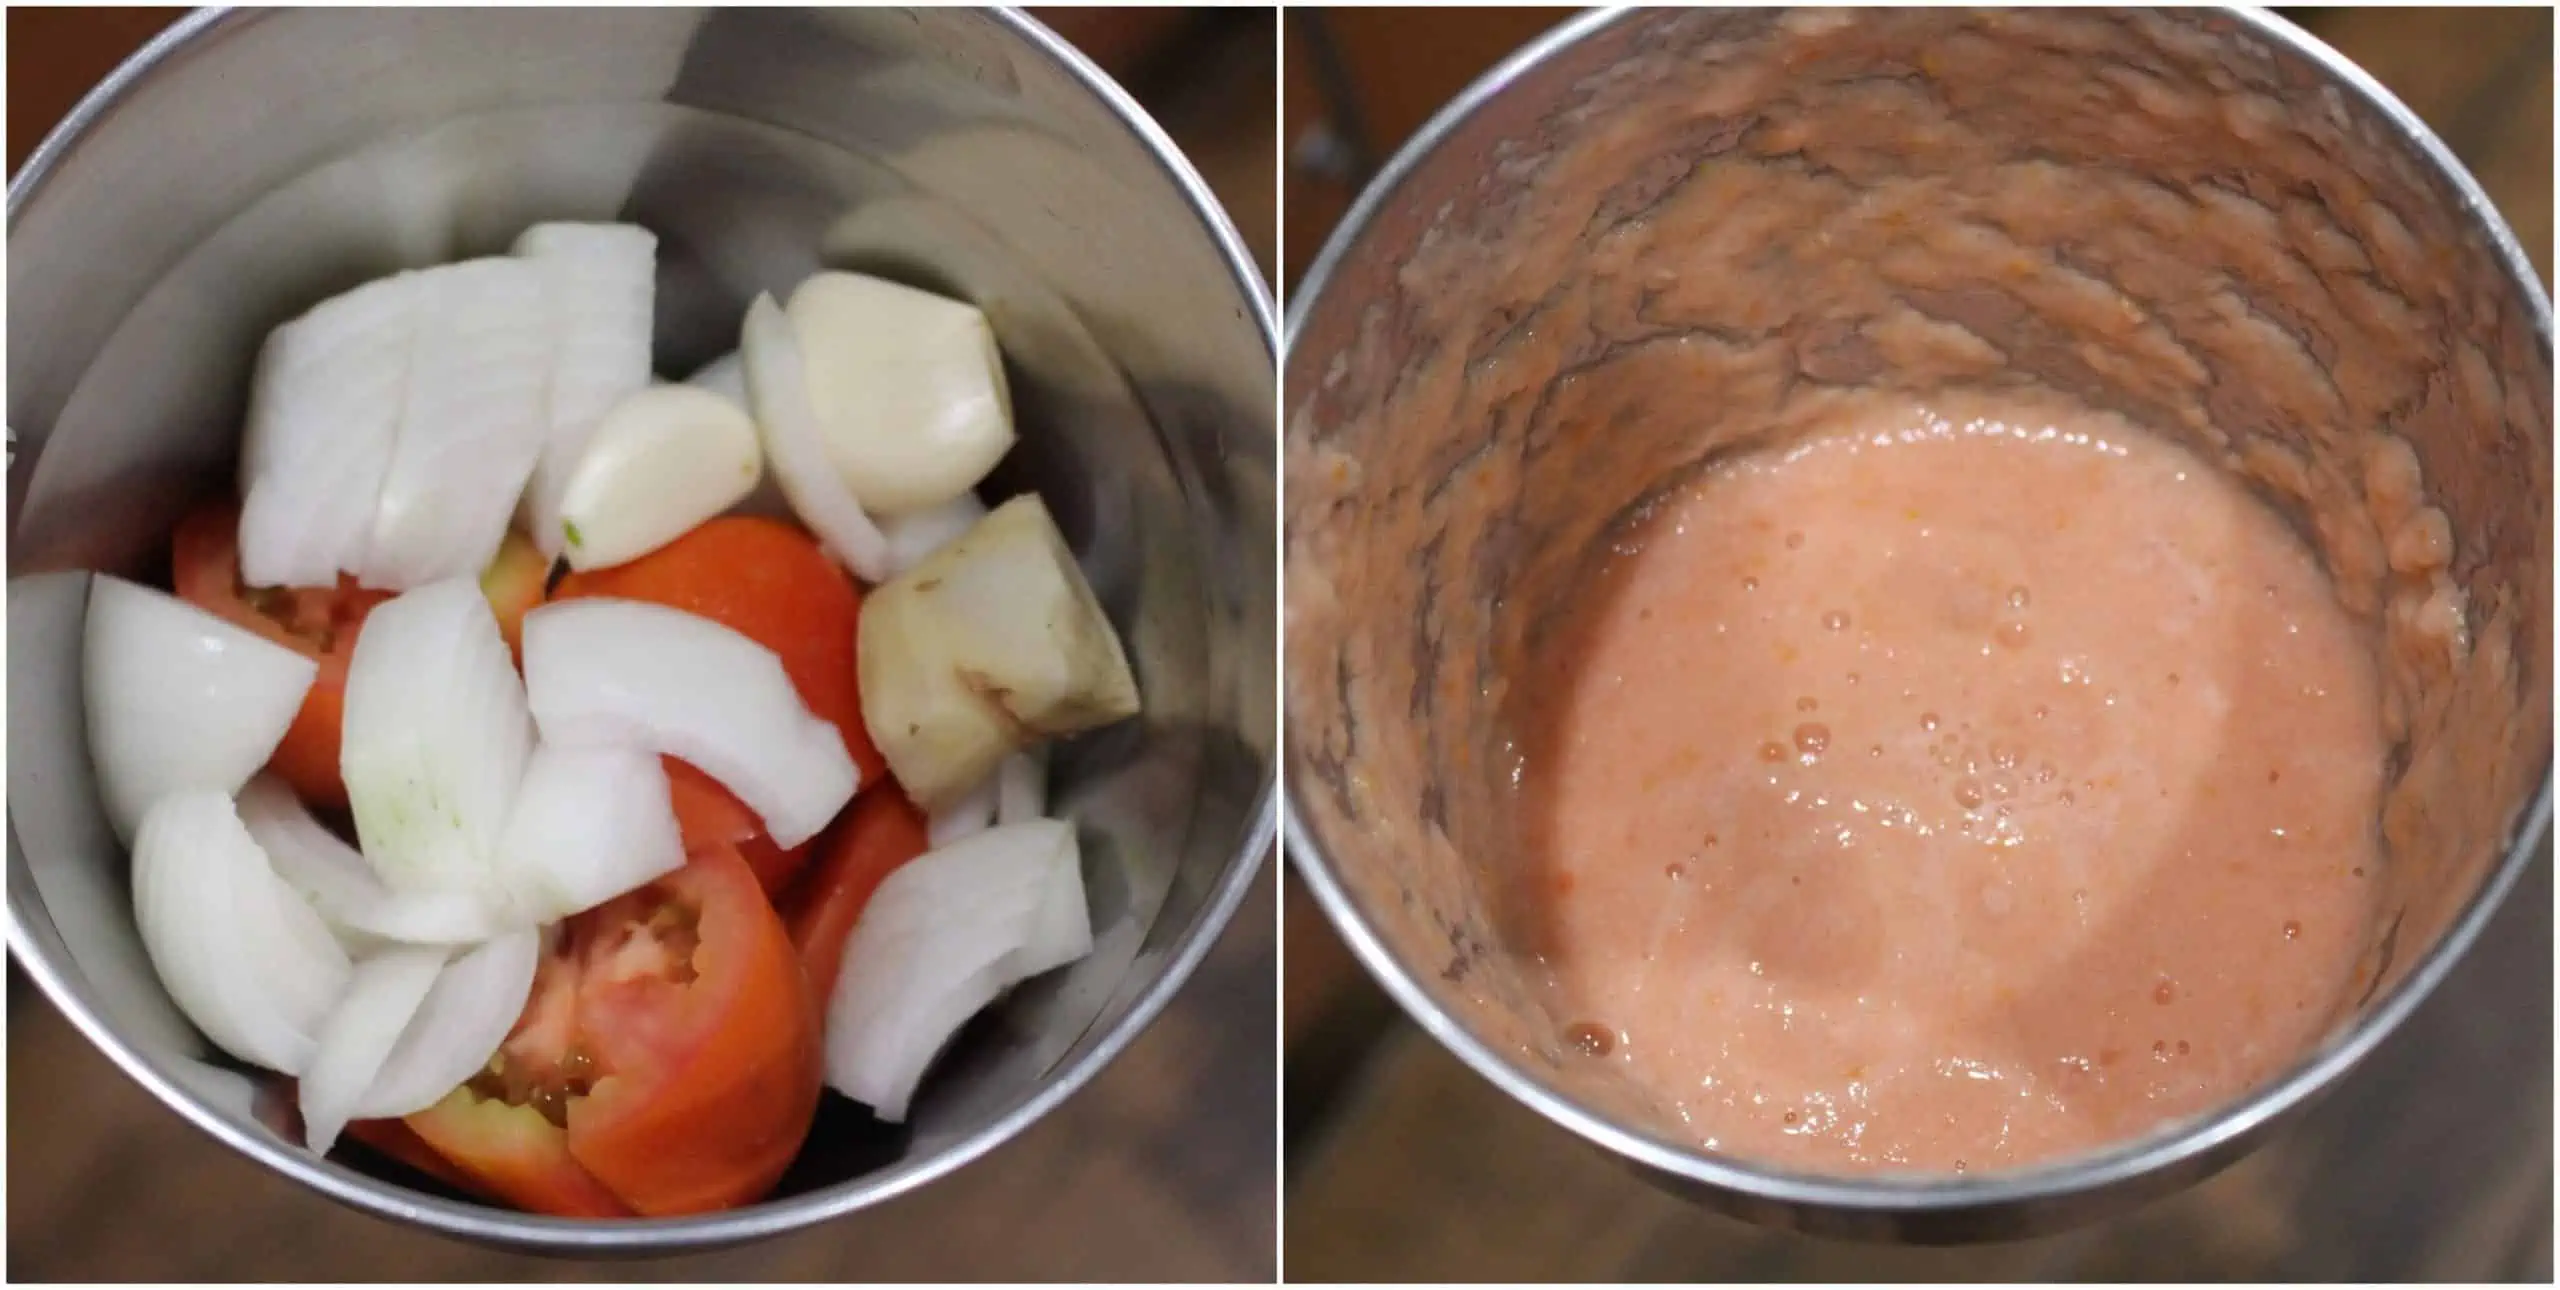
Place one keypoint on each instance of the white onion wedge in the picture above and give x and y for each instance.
(435, 739)
(995, 638)
(725, 376)
(1063, 932)
(974, 812)
(178, 698)
(1022, 786)
(589, 825)
(382, 996)
(241, 954)
(908, 387)
(778, 386)
(919, 534)
(944, 935)
(662, 461)
(345, 891)
(471, 424)
(324, 412)
(602, 282)
(473, 1005)
(606, 673)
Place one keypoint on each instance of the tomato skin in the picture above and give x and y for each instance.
(771, 582)
(711, 816)
(321, 624)
(513, 1154)
(673, 1032)
(708, 1087)
(882, 831)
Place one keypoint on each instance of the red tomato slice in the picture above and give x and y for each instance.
(704, 1038)
(711, 816)
(774, 584)
(394, 1138)
(881, 832)
(668, 1061)
(320, 623)
(514, 1154)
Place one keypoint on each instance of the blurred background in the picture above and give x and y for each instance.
(2432, 1161)
(1160, 1169)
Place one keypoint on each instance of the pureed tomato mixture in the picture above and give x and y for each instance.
(1952, 791)
(1964, 800)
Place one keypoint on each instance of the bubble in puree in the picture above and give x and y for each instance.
(1953, 789)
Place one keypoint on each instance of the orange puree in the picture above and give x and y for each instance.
(1939, 793)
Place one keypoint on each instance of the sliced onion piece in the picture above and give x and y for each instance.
(778, 386)
(470, 1010)
(1063, 932)
(908, 388)
(662, 461)
(471, 424)
(725, 376)
(590, 824)
(381, 998)
(608, 673)
(366, 914)
(435, 739)
(324, 412)
(242, 955)
(919, 534)
(1022, 786)
(943, 936)
(974, 812)
(177, 698)
(602, 283)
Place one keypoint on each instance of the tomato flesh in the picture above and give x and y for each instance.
(705, 1038)
(882, 831)
(400, 1142)
(512, 1153)
(711, 816)
(669, 1056)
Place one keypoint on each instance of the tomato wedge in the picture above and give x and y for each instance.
(394, 1138)
(706, 1039)
(882, 831)
(771, 582)
(512, 1153)
(320, 623)
(710, 816)
(668, 1061)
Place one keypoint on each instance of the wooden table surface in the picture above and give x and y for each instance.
(1161, 1169)
(2433, 1160)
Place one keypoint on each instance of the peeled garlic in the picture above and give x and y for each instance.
(908, 386)
(664, 460)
